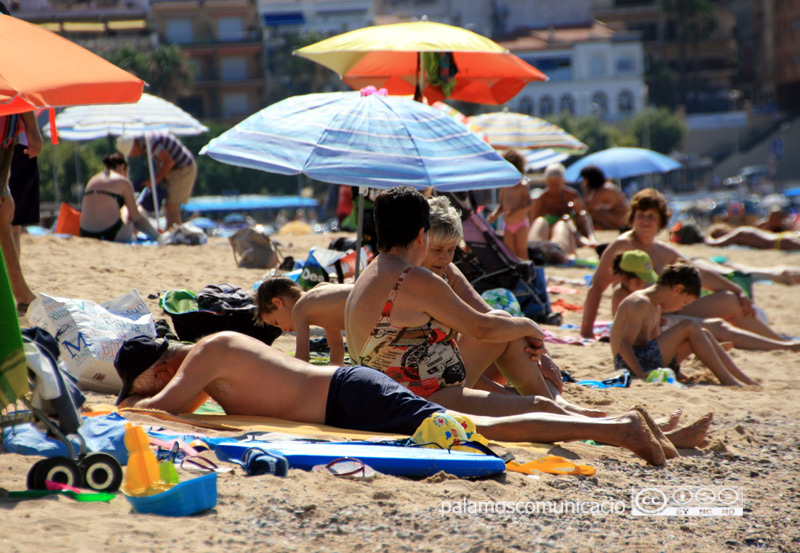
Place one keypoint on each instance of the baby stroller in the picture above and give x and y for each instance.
(488, 263)
(31, 375)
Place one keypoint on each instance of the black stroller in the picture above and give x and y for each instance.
(488, 263)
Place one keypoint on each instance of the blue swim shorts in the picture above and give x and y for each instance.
(361, 398)
(649, 357)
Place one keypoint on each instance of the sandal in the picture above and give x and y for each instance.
(552, 464)
(347, 467)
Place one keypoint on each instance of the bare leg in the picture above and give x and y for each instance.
(516, 366)
(744, 339)
(726, 305)
(563, 235)
(540, 230)
(22, 293)
(519, 239)
(693, 435)
(173, 214)
(480, 402)
(705, 347)
(629, 431)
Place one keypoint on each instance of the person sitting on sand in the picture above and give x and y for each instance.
(558, 214)
(281, 302)
(108, 209)
(515, 205)
(418, 315)
(639, 346)
(605, 202)
(648, 216)
(177, 378)
(509, 358)
(721, 235)
(634, 270)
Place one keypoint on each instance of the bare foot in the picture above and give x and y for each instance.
(672, 422)
(669, 450)
(576, 410)
(635, 434)
(693, 435)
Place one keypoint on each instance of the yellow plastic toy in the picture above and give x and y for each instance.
(142, 475)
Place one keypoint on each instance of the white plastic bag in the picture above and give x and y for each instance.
(89, 335)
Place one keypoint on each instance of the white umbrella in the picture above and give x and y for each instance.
(150, 114)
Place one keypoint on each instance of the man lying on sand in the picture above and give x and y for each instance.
(247, 377)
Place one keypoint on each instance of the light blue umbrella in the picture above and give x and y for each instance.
(621, 163)
(364, 140)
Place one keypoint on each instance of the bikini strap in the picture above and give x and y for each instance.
(387, 307)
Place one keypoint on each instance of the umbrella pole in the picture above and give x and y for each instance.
(360, 232)
(152, 179)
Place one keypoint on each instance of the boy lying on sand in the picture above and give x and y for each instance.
(281, 302)
(177, 378)
(640, 347)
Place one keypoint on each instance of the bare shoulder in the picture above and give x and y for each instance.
(570, 192)
(666, 252)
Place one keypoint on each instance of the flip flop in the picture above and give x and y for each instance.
(552, 464)
(347, 467)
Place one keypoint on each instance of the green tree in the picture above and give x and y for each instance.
(166, 69)
(291, 75)
(658, 129)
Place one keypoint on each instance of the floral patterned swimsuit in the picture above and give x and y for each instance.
(424, 359)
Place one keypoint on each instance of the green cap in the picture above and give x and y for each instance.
(640, 264)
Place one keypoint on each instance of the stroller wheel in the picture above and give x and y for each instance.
(101, 472)
(58, 469)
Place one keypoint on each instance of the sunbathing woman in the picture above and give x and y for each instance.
(109, 210)
(648, 216)
(417, 316)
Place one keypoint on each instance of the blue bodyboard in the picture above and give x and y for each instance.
(387, 459)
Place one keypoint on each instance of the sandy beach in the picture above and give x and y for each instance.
(754, 446)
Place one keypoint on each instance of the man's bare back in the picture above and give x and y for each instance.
(259, 381)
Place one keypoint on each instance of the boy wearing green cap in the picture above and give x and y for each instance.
(636, 340)
(635, 271)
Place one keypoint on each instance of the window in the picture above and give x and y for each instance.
(556, 68)
(233, 68)
(567, 104)
(546, 106)
(626, 65)
(179, 31)
(230, 29)
(597, 66)
(599, 103)
(235, 103)
(526, 105)
(625, 102)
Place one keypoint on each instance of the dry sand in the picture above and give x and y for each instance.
(755, 445)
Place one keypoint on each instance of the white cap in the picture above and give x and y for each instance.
(125, 145)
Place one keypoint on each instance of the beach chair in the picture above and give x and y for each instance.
(33, 386)
(488, 263)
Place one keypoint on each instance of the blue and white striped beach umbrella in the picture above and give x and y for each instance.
(364, 140)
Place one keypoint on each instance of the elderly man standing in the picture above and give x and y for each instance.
(175, 165)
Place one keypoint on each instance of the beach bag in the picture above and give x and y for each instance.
(191, 321)
(252, 248)
(89, 334)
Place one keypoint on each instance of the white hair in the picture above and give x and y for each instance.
(554, 170)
